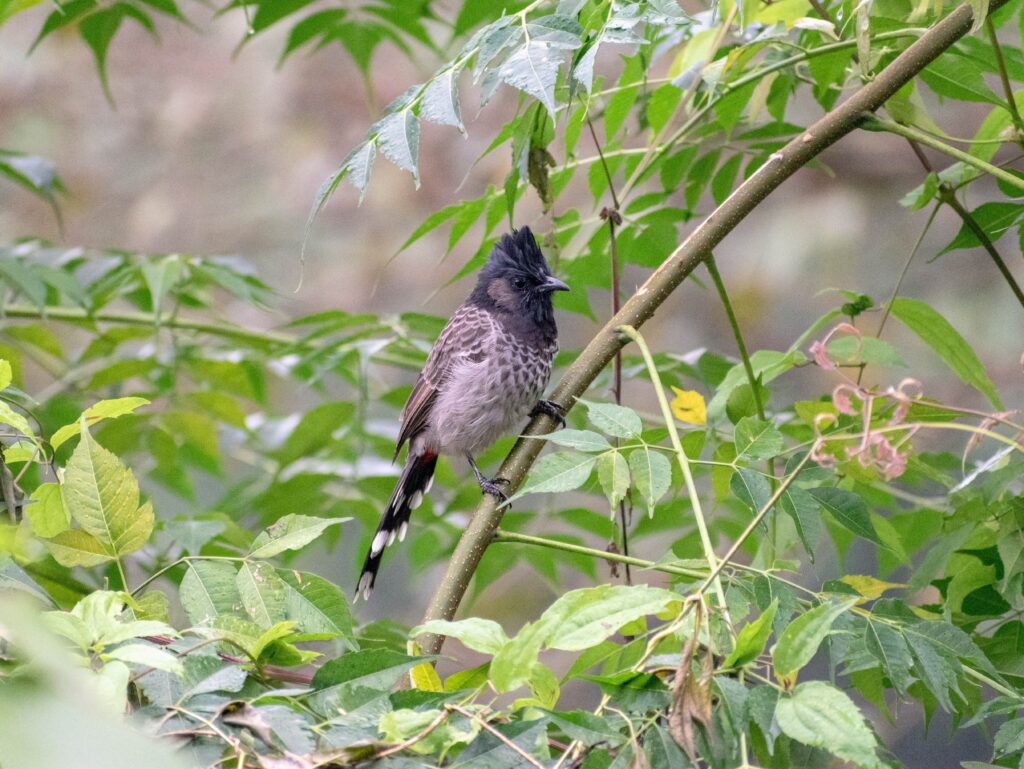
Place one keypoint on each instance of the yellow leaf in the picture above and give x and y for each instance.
(423, 677)
(688, 406)
(869, 587)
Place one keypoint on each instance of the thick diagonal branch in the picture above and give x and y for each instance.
(649, 297)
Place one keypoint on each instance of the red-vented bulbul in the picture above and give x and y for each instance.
(483, 376)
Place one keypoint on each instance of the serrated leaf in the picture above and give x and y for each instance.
(75, 547)
(398, 136)
(958, 78)
(799, 642)
(481, 635)
(317, 606)
(615, 420)
(262, 593)
(799, 505)
(757, 439)
(102, 496)
(291, 532)
(751, 639)
(147, 656)
(890, 649)
(849, 510)
(613, 475)
(208, 591)
(533, 69)
(105, 409)
(440, 100)
(652, 473)
(936, 332)
(558, 31)
(47, 514)
(561, 471)
(581, 440)
(819, 715)
(583, 618)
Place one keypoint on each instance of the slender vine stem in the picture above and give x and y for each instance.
(646, 301)
(684, 465)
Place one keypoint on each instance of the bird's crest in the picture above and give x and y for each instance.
(518, 250)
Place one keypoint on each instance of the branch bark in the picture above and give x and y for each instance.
(690, 253)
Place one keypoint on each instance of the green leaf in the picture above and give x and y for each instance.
(147, 656)
(291, 532)
(5, 374)
(995, 219)
(481, 635)
(317, 606)
(346, 680)
(803, 508)
(208, 591)
(581, 440)
(890, 649)
(819, 715)
(652, 474)
(751, 639)
(614, 420)
(757, 439)
(262, 593)
(75, 547)
(102, 496)
(751, 488)
(799, 642)
(586, 727)
(561, 471)
(583, 618)
(847, 509)
(105, 409)
(936, 332)
(958, 78)
(47, 514)
(613, 475)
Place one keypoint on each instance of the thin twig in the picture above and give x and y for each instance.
(614, 218)
(1004, 77)
(483, 722)
(947, 196)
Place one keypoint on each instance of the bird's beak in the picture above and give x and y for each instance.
(553, 284)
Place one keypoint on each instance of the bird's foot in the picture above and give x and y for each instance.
(493, 487)
(549, 409)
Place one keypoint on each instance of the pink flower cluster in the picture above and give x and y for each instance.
(875, 449)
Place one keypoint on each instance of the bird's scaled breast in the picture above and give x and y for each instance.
(482, 401)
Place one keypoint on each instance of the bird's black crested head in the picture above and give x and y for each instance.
(517, 280)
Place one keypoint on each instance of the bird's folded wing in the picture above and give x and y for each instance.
(469, 336)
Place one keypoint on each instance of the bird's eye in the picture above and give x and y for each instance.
(519, 283)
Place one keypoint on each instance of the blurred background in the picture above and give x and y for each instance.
(213, 148)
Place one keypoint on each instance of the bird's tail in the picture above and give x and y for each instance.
(414, 482)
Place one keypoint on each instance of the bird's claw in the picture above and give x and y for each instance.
(493, 487)
(550, 409)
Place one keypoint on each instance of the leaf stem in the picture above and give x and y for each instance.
(872, 123)
(503, 536)
(684, 465)
(183, 560)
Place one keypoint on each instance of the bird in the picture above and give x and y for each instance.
(483, 376)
